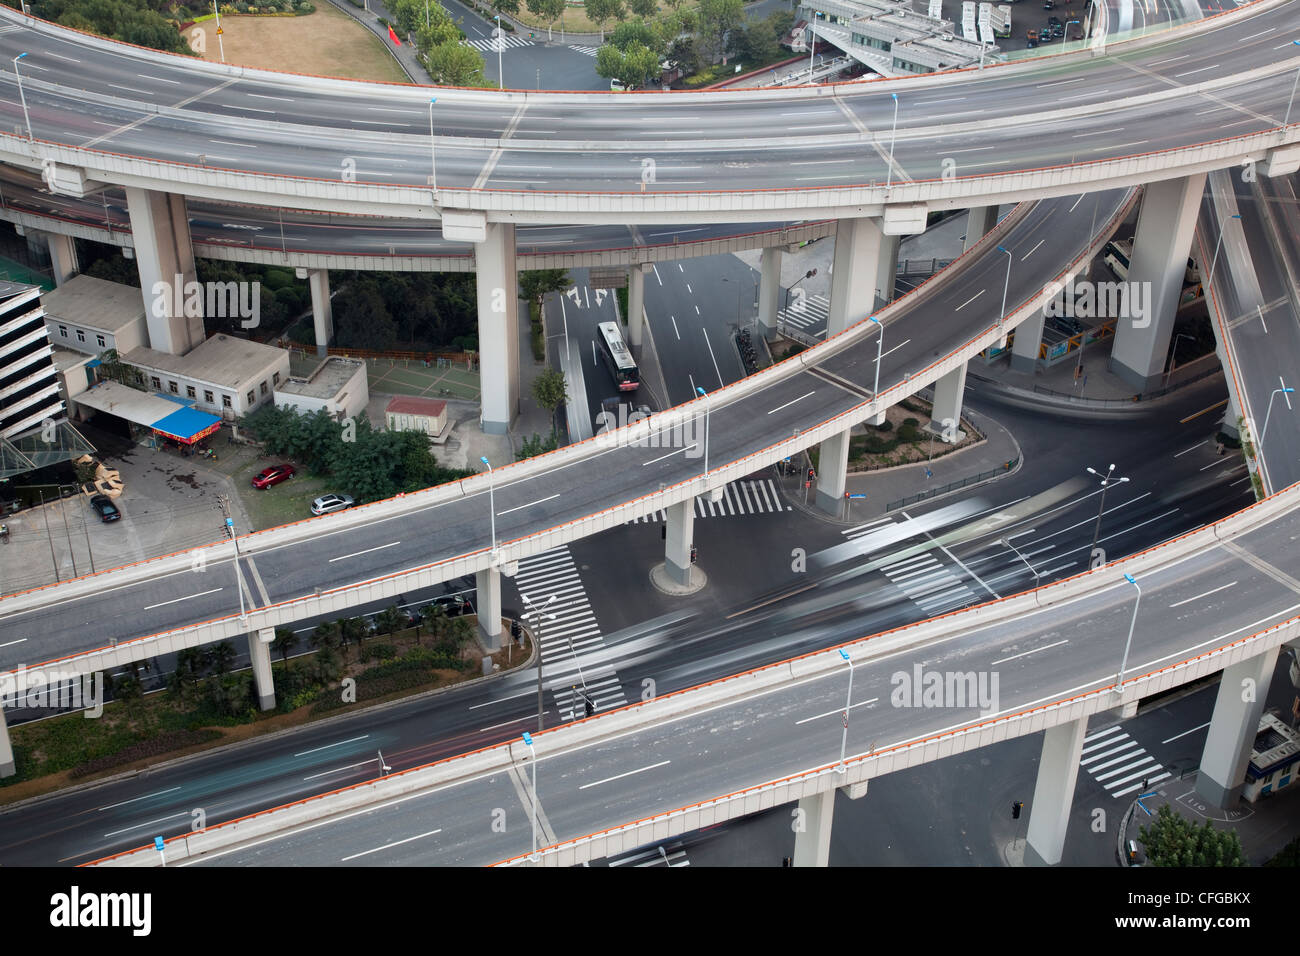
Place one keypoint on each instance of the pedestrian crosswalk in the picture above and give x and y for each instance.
(1119, 763)
(567, 631)
(749, 497)
(807, 313)
(490, 44)
(930, 583)
(589, 50)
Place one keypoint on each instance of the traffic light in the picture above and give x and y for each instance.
(1015, 809)
(694, 554)
(588, 706)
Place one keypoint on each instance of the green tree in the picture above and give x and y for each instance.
(1173, 840)
(535, 283)
(434, 617)
(454, 64)
(507, 6)
(549, 10)
(717, 18)
(352, 630)
(633, 66)
(550, 391)
(285, 641)
(390, 619)
(537, 446)
(637, 31)
(326, 636)
(643, 8)
(220, 657)
(361, 318)
(601, 12)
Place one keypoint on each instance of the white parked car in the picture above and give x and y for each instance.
(328, 503)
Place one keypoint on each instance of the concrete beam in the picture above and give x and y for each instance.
(812, 835)
(832, 472)
(487, 585)
(1049, 812)
(1233, 727)
(7, 768)
(1163, 242)
(498, 327)
(853, 274)
(679, 535)
(160, 230)
(259, 651)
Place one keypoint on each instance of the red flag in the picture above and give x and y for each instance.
(393, 36)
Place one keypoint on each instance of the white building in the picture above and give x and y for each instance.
(225, 376)
(411, 413)
(338, 385)
(92, 315)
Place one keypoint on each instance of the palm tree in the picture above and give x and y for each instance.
(434, 617)
(352, 629)
(220, 657)
(285, 641)
(388, 620)
(326, 637)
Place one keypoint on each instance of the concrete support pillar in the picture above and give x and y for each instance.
(945, 416)
(1160, 249)
(979, 220)
(769, 290)
(832, 471)
(635, 304)
(1029, 337)
(1049, 813)
(1232, 413)
(853, 274)
(498, 326)
(812, 838)
(488, 606)
(160, 230)
(322, 312)
(7, 768)
(679, 535)
(887, 267)
(63, 257)
(1233, 727)
(259, 651)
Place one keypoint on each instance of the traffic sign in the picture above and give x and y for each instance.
(856, 496)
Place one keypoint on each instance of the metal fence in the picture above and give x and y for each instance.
(951, 486)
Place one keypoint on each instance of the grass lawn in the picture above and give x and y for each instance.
(280, 504)
(575, 19)
(325, 43)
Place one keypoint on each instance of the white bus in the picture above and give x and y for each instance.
(617, 358)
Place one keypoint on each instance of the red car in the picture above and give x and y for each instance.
(273, 476)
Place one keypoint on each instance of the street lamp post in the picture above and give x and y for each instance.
(1006, 284)
(1214, 260)
(1287, 119)
(221, 45)
(492, 504)
(1007, 543)
(1283, 391)
(707, 406)
(433, 159)
(1173, 353)
(23, 96)
(528, 739)
(1123, 664)
(501, 45)
(537, 613)
(1105, 483)
(889, 173)
(880, 354)
(848, 702)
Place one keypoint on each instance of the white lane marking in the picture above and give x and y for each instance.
(1189, 600)
(179, 599)
(656, 272)
(499, 700)
(12, 643)
(721, 383)
(825, 162)
(1031, 251)
(688, 288)
(1172, 59)
(158, 79)
(1076, 204)
(670, 454)
(263, 96)
(506, 723)
(529, 505)
(597, 783)
(418, 836)
(223, 142)
(791, 402)
(148, 823)
(837, 710)
(113, 806)
(970, 300)
(1185, 733)
(356, 554)
(1193, 448)
(352, 766)
(350, 740)
(1027, 653)
(673, 319)
(1212, 66)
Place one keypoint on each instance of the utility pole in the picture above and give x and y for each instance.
(67, 530)
(223, 502)
(53, 560)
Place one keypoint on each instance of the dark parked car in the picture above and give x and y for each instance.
(105, 507)
(273, 476)
(453, 605)
(1055, 28)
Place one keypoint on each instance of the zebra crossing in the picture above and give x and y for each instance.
(589, 50)
(807, 313)
(572, 631)
(750, 497)
(1119, 763)
(930, 583)
(490, 44)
